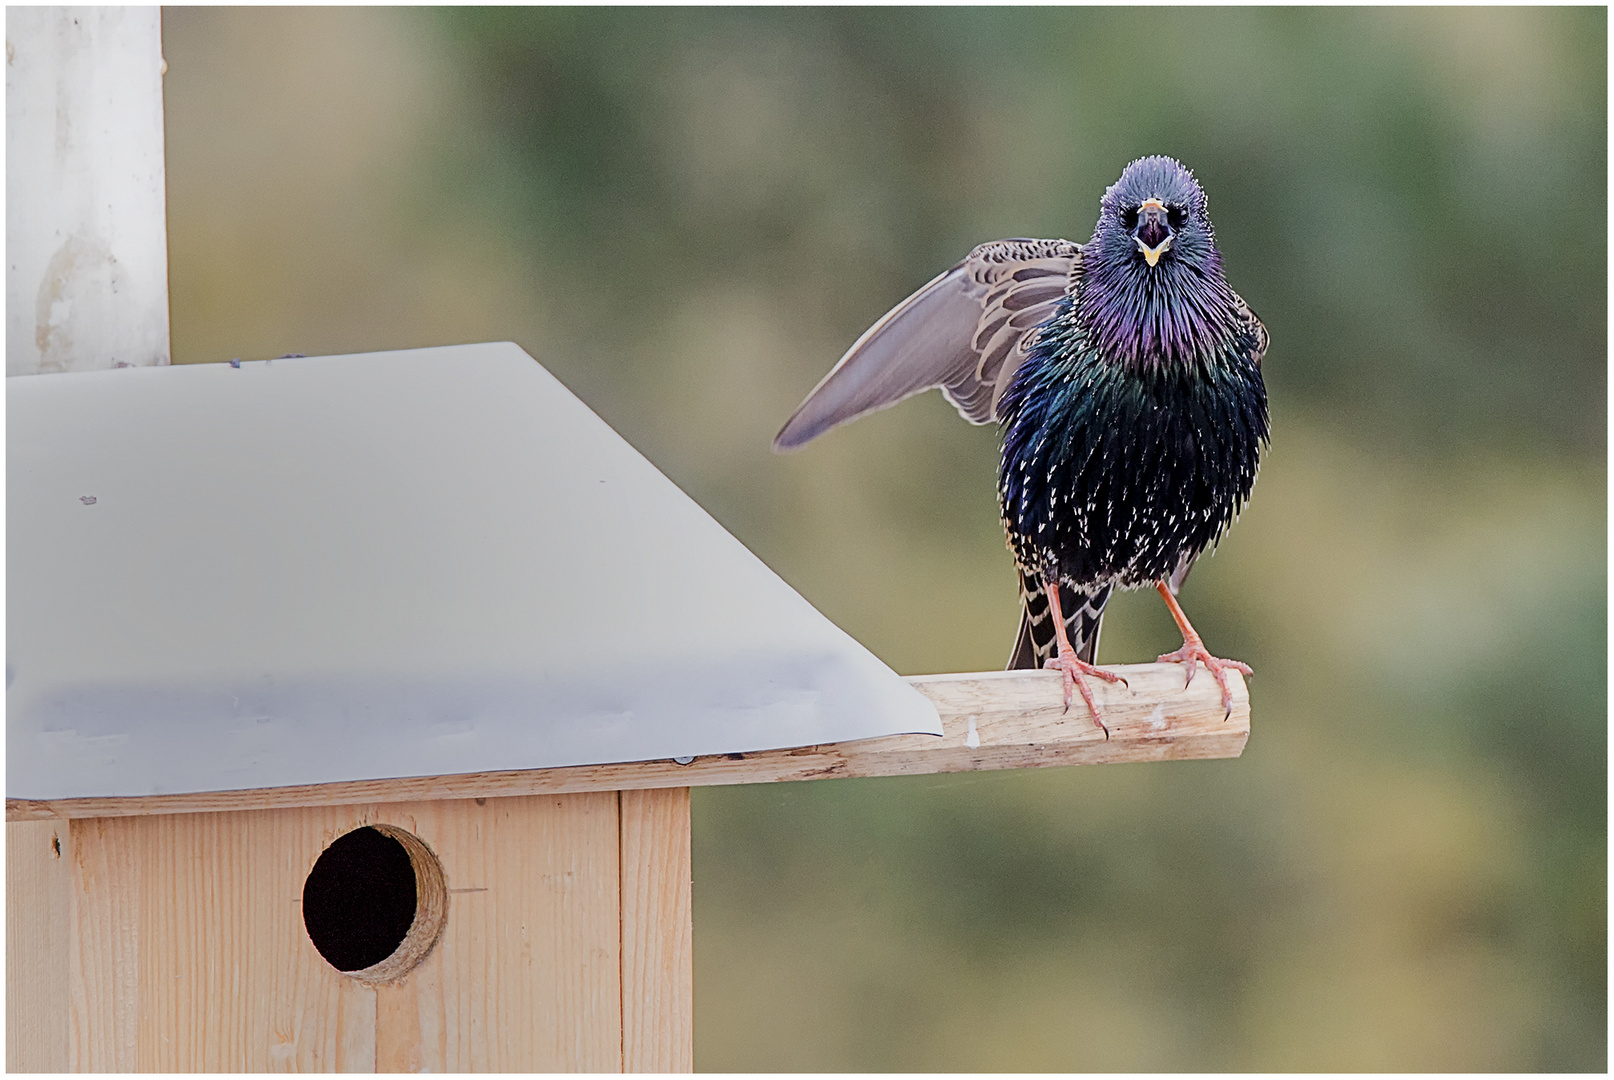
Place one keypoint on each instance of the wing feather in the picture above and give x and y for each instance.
(965, 332)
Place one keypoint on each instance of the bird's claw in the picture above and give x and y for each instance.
(1073, 670)
(1192, 653)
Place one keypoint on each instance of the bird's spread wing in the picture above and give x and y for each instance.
(965, 332)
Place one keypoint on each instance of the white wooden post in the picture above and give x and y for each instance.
(86, 231)
(86, 288)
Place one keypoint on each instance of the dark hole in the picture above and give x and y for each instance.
(359, 899)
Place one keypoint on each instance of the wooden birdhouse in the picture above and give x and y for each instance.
(360, 734)
(353, 703)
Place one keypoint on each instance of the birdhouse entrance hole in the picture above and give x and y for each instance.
(375, 902)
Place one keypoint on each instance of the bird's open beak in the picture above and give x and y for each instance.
(1154, 233)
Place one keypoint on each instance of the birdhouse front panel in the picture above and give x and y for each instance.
(551, 933)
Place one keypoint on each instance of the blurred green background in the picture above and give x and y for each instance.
(688, 214)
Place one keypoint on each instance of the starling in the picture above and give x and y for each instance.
(1125, 375)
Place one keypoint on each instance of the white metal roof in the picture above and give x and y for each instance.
(383, 565)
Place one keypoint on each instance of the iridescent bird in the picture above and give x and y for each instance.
(1125, 374)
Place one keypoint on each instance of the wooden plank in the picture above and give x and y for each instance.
(526, 976)
(103, 968)
(409, 1035)
(658, 974)
(1019, 723)
(38, 925)
(190, 952)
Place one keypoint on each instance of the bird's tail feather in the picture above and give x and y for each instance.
(1084, 614)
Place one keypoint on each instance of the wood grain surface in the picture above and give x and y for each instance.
(190, 953)
(38, 927)
(658, 957)
(187, 949)
(1019, 722)
(527, 974)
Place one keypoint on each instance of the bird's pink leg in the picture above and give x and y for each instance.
(1193, 650)
(1067, 662)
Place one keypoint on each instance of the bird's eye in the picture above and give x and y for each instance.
(1177, 216)
(1129, 218)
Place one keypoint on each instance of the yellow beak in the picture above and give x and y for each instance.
(1151, 255)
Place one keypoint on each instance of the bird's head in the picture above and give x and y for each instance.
(1155, 215)
(1153, 291)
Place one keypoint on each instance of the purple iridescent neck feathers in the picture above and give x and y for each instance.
(1177, 311)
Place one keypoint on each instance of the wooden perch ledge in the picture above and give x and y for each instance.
(1018, 721)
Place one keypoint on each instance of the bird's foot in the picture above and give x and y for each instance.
(1074, 669)
(1193, 652)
